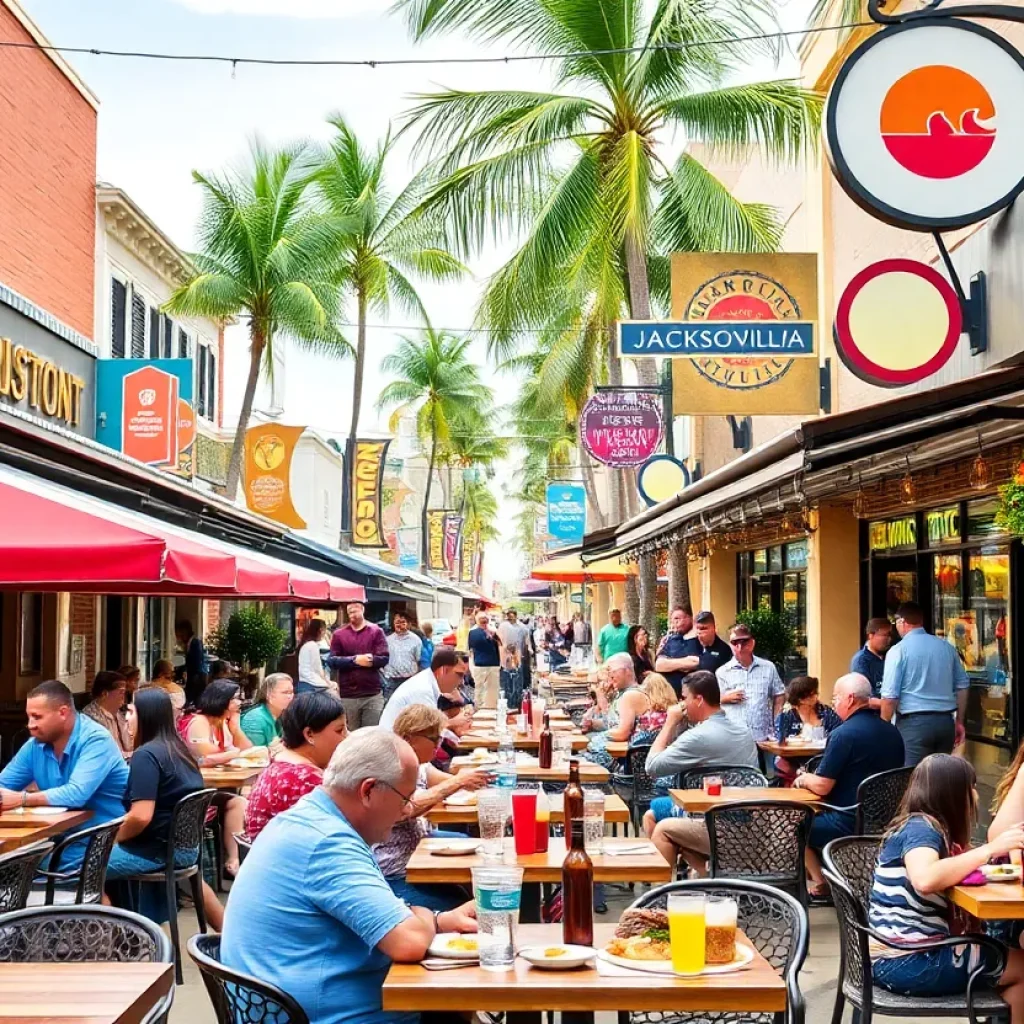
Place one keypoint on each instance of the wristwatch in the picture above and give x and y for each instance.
(24, 799)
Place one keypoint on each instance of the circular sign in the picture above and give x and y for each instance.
(622, 428)
(898, 321)
(925, 127)
(660, 478)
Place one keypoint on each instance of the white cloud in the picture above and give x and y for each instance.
(289, 8)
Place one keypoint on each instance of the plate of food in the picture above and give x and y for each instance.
(453, 946)
(1001, 872)
(247, 762)
(642, 943)
(42, 811)
(558, 958)
(482, 754)
(454, 847)
(461, 799)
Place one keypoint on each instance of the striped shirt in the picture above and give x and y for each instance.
(896, 909)
(761, 685)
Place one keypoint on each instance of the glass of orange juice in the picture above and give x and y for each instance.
(686, 932)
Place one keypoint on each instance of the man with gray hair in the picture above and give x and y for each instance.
(310, 910)
(863, 745)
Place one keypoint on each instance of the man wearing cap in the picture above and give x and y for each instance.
(359, 650)
(705, 650)
(750, 686)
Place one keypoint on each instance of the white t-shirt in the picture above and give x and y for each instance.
(422, 688)
(311, 668)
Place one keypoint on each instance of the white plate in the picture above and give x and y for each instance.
(39, 812)
(998, 873)
(574, 956)
(744, 957)
(462, 799)
(439, 947)
(453, 847)
(247, 762)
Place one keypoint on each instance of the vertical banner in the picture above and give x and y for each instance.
(469, 545)
(452, 542)
(567, 513)
(144, 409)
(367, 490)
(268, 467)
(409, 547)
(435, 538)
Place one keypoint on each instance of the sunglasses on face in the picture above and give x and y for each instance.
(740, 641)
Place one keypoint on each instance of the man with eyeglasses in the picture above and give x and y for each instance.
(310, 910)
(446, 674)
(751, 687)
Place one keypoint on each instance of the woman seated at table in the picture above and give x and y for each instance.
(163, 679)
(626, 706)
(132, 679)
(638, 647)
(660, 697)
(262, 722)
(924, 853)
(312, 726)
(458, 721)
(803, 712)
(162, 772)
(106, 707)
(420, 726)
(214, 735)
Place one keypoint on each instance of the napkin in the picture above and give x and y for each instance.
(624, 851)
(974, 878)
(607, 970)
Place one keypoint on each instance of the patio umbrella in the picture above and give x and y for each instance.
(570, 569)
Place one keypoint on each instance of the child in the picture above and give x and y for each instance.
(923, 854)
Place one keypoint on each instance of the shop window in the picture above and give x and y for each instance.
(981, 520)
(796, 555)
(947, 604)
(776, 578)
(982, 640)
(761, 560)
(942, 526)
(775, 559)
(889, 535)
(30, 634)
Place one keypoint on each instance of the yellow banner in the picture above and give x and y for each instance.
(469, 546)
(435, 538)
(367, 490)
(268, 465)
(735, 286)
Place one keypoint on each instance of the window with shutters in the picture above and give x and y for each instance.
(183, 345)
(201, 381)
(138, 326)
(154, 333)
(211, 385)
(168, 351)
(118, 314)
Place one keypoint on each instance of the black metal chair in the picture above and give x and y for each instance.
(184, 861)
(85, 883)
(638, 785)
(853, 859)
(239, 998)
(17, 870)
(878, 799)
(775, 924)
(857, 986)
(814, 763)
(85, 934)
(730, 774)
(763, 841)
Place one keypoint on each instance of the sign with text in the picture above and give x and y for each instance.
(747, 330)
(268, 466)
(435, 538)
(622, 428)
(452, 542)
(467, 562)
(45, 388)
(144, 409)
(567, 512)
(367, 491)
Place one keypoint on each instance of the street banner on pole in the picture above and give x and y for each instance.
(452, 542)
(567, 512)
(435, 538)
(268, 465)
(367, 491)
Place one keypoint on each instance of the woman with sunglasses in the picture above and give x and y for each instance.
(421, 727)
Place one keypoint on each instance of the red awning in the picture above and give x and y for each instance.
(53, 538)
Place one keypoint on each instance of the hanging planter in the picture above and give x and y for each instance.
(1010, 514)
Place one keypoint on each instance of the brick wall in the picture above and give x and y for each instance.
(47, 182)
(83, 621)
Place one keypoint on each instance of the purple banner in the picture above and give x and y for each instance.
(452, 542)
(622, 428)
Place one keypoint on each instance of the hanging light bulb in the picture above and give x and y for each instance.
(858, 505)
(908, 489)
(980, 476)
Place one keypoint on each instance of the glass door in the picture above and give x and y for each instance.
(893, 581)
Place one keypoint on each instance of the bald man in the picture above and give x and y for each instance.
(863, 745)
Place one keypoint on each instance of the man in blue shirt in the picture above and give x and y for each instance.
(863, 745)
(925, 684)
(310, 910)
(72, 759)
(670, 661)
(869, 661)
(484, 646)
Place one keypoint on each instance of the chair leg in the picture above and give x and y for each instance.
(837, 1012)
(172, 920)
(196, 882)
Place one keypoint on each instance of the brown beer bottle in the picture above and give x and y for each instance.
(573, 797)
(546, 744)
(577, 885)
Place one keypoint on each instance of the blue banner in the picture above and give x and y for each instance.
(695, 339)
(567, 512)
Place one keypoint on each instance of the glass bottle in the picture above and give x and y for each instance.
(546, 747)
(573, 797)
(527, 709)
(577, 886)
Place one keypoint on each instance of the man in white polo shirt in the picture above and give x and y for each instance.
(446, 674)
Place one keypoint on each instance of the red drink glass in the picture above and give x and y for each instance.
(524, 820)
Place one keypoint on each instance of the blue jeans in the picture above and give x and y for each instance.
(939, 972)
(512, 686)
(926, 733)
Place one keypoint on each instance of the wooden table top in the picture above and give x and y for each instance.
(540, 867)
(230, 778)
(615, 811)
(590, 773)
(791, 748)
(491, 740)
(617, 748)
(996, 901)
(411, 987)
(17, 830)
(82, 993)
(490, 715)
(696, 801)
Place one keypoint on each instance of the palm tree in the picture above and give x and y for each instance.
(435, 378)
(388, 243)
(266, 255)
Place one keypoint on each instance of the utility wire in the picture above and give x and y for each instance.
(508, 58)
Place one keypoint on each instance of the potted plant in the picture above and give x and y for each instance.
(251, 639)
(773, 632)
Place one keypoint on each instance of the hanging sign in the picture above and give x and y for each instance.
(435, 538)
(452, 542)
(268, 466)
(897, 322)
(408, 547)
(470, 543)
(622, 428)
(660, 478)
(924, 124)
(367, 491)
(751, 320)
(567, 513)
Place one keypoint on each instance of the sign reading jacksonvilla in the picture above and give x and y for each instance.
(724, 338)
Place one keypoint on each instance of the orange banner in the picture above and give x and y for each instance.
(268, 464)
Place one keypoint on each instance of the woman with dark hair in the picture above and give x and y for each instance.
(802, 711)
(312, 726)
(638, 647)
(132, 678)
(162, 773)
(924, 853)
(311, 666)
(108, 696)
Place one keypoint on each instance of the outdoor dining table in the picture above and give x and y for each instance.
(229, 777)
(526, 992)
(82, 993)
(615, 811)
(530, 771)
(617, 749)
(521, 741)
(19, 829)
(490, 715)
(995, 901)
(791, 748)
(697, 801)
